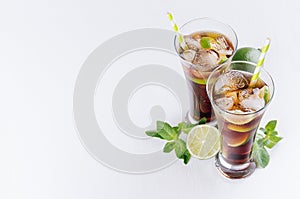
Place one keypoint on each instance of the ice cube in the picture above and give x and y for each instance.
(221, 46)
(192, 44)
(207, 58)
(196, 73)
(253, 102)
(230, 81)
(244, 93)
(233, 95)
(225, 103)
(256, 91)
(189, 55)
(225, 52)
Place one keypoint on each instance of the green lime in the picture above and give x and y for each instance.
(247, 54)
(238, 141)
(203, 141)
(197, 81)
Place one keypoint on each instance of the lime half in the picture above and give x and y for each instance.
(203, 141)
(247, 54)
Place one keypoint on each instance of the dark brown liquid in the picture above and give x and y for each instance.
(237, 140)
(200, 105)
(199, 101)
(238, 131)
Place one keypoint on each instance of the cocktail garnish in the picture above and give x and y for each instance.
(268, 139)
(165, 131)
(260, 62)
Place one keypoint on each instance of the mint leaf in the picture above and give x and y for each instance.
(202, 121)
(166, 135)
(180, 148)
(205, 42)
(268, 139)
(263, 130)
(271, 138)
(185, 127)
(159, 125)
(169, 146)
(186, 156)
(258, 136)
(153, 134)
(260, 155)
(271, 133)
(271, 125)
(266, 94)
(166, 131)
(169, 129)
(176, 128)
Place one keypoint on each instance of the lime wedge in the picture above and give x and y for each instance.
(203, 141)
(238, 118)
(235, 139)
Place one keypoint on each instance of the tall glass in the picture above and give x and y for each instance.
(196, 75)
(238, 129)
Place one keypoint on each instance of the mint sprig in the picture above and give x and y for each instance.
(171, 134)
(267, 138)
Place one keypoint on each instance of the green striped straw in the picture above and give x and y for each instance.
(176, 29)
(260, 62)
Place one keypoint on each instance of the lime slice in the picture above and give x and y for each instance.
(241, 128)
(239, 141)
(239, 119)
(197, 81)
(247, 54)
(203, 141)
(235, 139)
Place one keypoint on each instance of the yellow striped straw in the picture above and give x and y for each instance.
(176, 29)
(260, 62)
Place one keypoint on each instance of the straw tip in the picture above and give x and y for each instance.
(170, 16)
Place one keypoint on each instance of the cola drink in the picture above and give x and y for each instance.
(202, 53)
(232, 94)
(239, 109)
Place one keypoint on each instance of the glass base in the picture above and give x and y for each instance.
(234, 171)
(191, 120)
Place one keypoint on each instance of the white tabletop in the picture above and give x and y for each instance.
(43, 47)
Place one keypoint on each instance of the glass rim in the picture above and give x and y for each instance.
(244, 113)
(205, 18)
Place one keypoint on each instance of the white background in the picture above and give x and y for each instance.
(42, 47)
